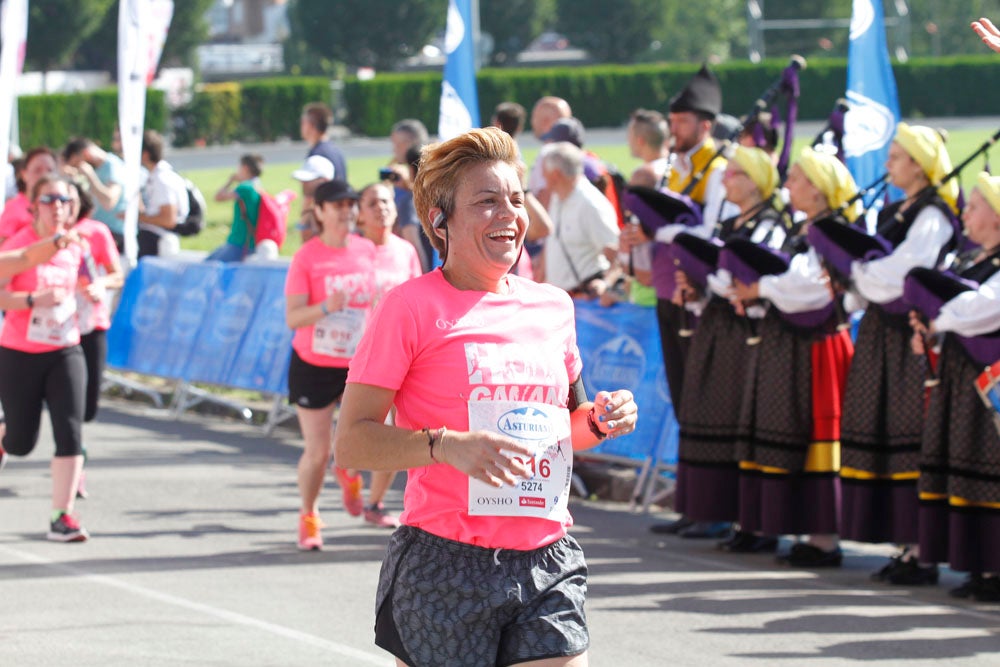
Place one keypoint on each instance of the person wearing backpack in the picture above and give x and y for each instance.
(165, 203)
(243, 189)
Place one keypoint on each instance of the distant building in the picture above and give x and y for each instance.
(246, 38)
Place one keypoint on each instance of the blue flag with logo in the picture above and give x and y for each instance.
(459, 100)
(870, 124)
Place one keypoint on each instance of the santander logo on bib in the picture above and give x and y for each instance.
(525, 424)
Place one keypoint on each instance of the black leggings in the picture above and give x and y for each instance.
(58, 379)
(95, 352)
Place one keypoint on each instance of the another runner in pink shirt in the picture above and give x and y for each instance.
(41, 362)
(396, 261)
(483, 370)
(100, 272)
(329, 292)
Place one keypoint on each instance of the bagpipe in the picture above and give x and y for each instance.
(842, 244)
(927, 290)
(787, 84)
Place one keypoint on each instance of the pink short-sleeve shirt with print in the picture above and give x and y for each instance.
(60, 271)
(396, 261)
(317, 270)
(105, 254)
(439, 348)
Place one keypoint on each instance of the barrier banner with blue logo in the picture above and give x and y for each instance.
(620, 346)
(204, 322)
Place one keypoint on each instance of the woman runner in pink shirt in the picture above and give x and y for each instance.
(396, 261)
(483, 370)
(40, 357)
(329, 292)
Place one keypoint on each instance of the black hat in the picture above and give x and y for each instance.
(702, 94)
(334, 190)
(566, 129)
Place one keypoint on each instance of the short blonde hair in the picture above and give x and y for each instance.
(442, 166)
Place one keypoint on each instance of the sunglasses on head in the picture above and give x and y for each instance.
(52, 199)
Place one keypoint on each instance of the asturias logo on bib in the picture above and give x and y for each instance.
(525, 424)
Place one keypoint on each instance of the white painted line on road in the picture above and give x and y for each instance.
(232, 617)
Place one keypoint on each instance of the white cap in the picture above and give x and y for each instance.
(315, 166)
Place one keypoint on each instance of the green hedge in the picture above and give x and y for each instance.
(604, 95)
(214, 116)
(272, 108)
(51, 120)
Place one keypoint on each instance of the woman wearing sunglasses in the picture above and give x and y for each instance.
(40, 356)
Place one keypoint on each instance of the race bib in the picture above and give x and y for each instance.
(546, 428)
(54, 325)
(338, 334)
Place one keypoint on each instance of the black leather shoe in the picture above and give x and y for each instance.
(706, 530)
(988, 591)
(887, 569)
(748, 543)
(806, 555)
(968, 588)
(911, 573)
(671, 527)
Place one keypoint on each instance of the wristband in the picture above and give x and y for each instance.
(30, 300)
(322, 306)
(601, 435)
(432, 439)
(56, 238)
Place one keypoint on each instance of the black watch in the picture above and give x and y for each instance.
(30, 300)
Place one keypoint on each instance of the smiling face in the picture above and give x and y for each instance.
(336, 219)
(487, 227)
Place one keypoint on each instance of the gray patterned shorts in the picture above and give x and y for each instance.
(443, 603)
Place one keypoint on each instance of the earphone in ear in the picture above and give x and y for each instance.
(439, 220)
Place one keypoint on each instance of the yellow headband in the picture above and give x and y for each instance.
(831, 177)
(989, 188)
(926, 147)
(758, 166)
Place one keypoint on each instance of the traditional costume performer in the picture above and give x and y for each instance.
(884, 404)
(960, 460)
(789, 449)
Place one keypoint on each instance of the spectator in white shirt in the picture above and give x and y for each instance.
(164, 199)
(584, 240)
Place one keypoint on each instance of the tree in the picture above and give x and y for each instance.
(374, 33)
(713, 30)
(626, 27)
(188, 29)
(513, 24)
(57, 27)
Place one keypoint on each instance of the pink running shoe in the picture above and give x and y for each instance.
(351, 489)
(310, 538)
(67, 528)
(378, 517)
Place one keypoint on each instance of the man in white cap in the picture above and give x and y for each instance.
(314, 171)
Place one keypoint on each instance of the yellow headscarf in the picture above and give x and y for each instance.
(989, 188)
(926, 147)
(831, 177)
(758, 166)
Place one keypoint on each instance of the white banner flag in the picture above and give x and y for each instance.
(142, 30)
(14, 33)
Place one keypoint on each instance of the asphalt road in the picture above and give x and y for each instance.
(192, 562)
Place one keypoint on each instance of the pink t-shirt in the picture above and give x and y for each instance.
(317, 270)
(60, 271)
(439, 348)
(395, 262)
(16, 215)
(104, 251)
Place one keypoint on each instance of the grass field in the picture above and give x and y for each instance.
(278, 177)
